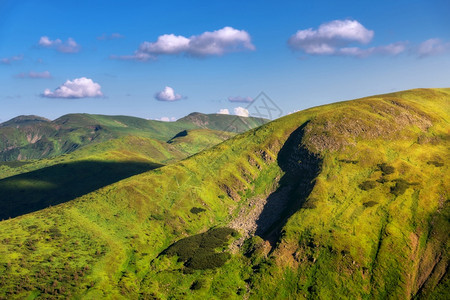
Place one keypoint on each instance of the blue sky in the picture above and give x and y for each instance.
(155, 59)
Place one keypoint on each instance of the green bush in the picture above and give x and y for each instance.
(197, 285)
(370, 203)
(435, 163)
(367, 185)
(400, 187)
(386, 169)
(197, 210)
(198, 252)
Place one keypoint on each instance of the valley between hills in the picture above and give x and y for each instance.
(346, 200)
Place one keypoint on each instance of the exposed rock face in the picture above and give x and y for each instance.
(266, 216)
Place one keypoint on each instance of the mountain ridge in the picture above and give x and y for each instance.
(67, 133)
(373, 224)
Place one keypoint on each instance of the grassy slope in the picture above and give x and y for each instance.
(344, 242)
(127, 148)
(25, 138)
(27, 187)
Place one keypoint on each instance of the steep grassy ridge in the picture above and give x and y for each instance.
(360, 189)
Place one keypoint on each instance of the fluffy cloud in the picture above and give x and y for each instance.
(78, 88)
(168, 94)
(336, 38)
(167, 119)
(240, 99)
(329, 36)
(240, 111)
(223, 111)
(208, 43)
(35, 75)
(432, 47)
(112, 36)
(8, 60)
(69, 46)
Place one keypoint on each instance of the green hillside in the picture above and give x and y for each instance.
(348, 200)
(32, 137)
(28, 186)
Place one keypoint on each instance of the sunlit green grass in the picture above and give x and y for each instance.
(345, 242)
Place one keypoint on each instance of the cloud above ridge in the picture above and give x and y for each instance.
(168, 94)
(9, 60)
(35, 75)
(240, 111)
(78, 88)
(240, 99)
(69, 46)
(432, 47)
(214, 43)
(223, 111)
(341, 37)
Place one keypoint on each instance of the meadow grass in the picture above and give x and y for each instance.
(352, 242)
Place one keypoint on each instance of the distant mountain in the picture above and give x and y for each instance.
(21, 121)
(69, 176)
(343, 201)
(32, 137)
(222, 122)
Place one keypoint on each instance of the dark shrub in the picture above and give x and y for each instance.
(367, 185)
(198, 252)
(382, 180)
(349, 161)
(198, 284)
(400, 187)
(310, 204)
(197, 210)
(435, 163)
(386, 169)
(370, 203)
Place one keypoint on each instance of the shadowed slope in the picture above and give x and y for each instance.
(300, 168)
(60, 183)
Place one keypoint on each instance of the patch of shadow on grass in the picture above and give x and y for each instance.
(300, 168)
(36, 190)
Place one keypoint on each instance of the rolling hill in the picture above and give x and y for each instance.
(33, 137)
(347, 200)
(28, 186)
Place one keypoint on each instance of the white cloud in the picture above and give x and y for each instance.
(329, 36)
(432, 47)
(138, 56)
(220, 41)
(69, 46)
(167, 119)
(391, 49)
(8, 60)
(165, 44)
(240, 111)
(168, 94)
(217, 42)
(35, 75)
(78, 88)
(337, 37)
(293, 112)
(223, 111)
(112, 36)
(240, 99)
